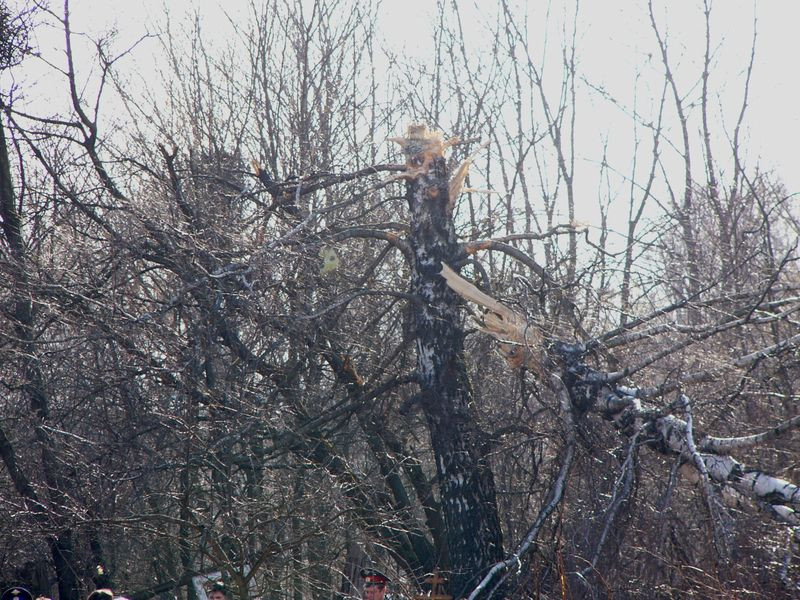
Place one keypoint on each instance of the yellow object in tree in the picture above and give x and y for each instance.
(330, 260)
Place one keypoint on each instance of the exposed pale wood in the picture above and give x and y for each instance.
(520, 341)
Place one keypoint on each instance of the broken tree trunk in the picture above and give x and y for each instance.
(466, 485)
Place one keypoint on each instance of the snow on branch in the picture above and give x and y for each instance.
(522, 345)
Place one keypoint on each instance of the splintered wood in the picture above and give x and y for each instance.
(457, 182)
(421, 146)
(519, 341)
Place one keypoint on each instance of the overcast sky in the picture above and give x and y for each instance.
(614, 38)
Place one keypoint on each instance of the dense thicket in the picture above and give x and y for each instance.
(224, 345)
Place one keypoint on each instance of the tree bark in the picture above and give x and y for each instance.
(466, 484)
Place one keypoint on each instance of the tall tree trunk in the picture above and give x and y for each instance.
(61, 543)
(466, 483)
(62, 550)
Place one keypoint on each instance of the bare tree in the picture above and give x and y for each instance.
(234, 334)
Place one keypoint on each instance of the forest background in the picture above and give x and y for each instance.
(226, 345)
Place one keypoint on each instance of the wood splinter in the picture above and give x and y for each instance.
(519, 341)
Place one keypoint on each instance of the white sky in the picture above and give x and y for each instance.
(614, 37)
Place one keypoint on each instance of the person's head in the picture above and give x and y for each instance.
(101, 594)
(375, 584)
(218, 591)
(16, 593)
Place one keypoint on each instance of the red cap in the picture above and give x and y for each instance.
(373, 576)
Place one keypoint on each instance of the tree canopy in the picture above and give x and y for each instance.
(290, 306)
